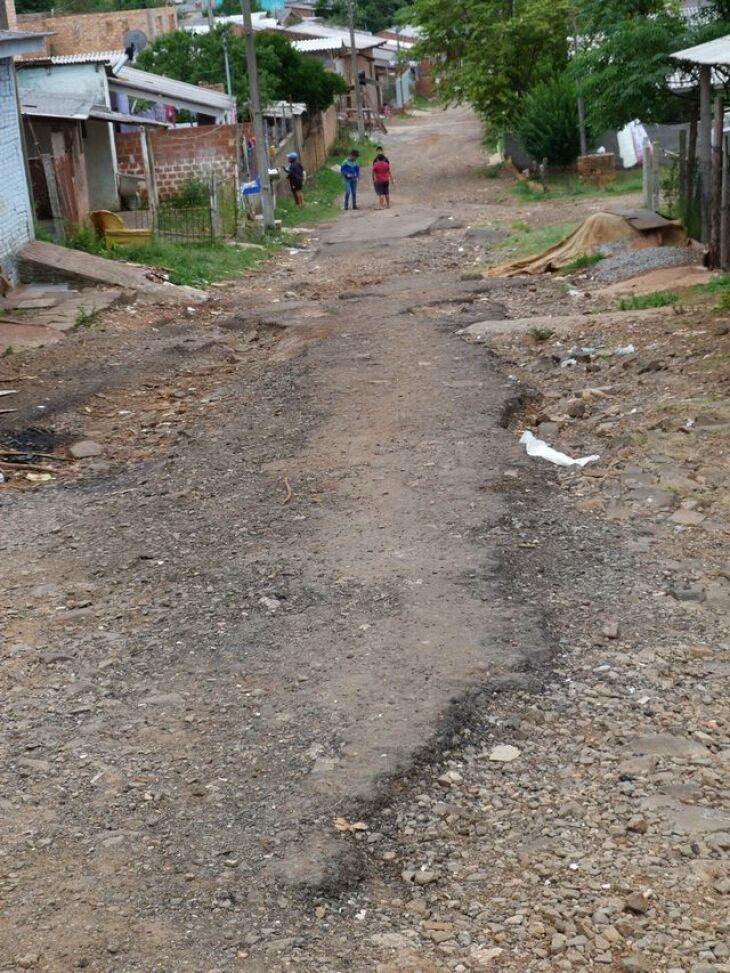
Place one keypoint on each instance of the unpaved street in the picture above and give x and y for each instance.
(311, 580)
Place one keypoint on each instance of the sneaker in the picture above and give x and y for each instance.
(356, 207)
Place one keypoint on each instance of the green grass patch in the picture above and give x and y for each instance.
(423, 103)
(194, 264)
(491, 172)
(580, 263)
(541, 334)
(527, 240)
(86, 318)
(721, 282)
(567, 184)
(639, 302)
(324, 189)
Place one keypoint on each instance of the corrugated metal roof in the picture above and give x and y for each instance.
(48, 104)
(314, 28)
(72, 107)
(315, 44)
(713, 52)
(94, 57)
(168, 91)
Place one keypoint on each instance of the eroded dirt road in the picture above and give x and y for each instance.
(259, 620)
(312, 580)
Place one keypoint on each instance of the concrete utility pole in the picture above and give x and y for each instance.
(354, 71)
(211, 15)
(262, 156)
(229, 86)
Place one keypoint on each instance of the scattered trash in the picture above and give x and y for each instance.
(9, 392)
(342, 824)
(568, 362)
(626, 350)
(38, 477)
(537, 447)
(270, 603)
(504, 753)
(2, 478)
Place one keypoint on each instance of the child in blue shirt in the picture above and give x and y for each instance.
(350, 170)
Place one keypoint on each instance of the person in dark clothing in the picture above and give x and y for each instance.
(295, 174)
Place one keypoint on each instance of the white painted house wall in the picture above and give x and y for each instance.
(16, 211)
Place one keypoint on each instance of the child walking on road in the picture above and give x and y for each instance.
(382, 178)
(350, 170)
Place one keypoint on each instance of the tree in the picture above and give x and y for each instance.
(372, 15)
(548, 121)
(284, 73)
(625, 68)
(492, 52)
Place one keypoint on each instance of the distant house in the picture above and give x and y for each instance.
(79, 33)
(16, 210)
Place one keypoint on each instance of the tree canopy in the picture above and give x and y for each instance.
(495, 53)
(372, 15)
(625, 68)
(492, 52)
(284, 73)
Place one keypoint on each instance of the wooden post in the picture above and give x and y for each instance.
(716, 197)
(215, 228)
(49, 171)
(148, 164)
(704, 149)
(724, 204)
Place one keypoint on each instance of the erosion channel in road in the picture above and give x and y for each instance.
(275, 605)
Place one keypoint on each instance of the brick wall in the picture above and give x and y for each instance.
(7, 15)
(82, 33)
(16, 215)
(181, 154)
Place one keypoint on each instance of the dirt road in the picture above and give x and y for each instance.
(247, 631)
(306, 581)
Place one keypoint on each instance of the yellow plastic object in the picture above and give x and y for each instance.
(115, 230)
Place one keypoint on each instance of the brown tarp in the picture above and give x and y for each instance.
(584, 241)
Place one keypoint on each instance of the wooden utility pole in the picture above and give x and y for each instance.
(354, 71)
(262, 156)
(704, 148)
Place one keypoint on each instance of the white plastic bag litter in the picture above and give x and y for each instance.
(537, 447)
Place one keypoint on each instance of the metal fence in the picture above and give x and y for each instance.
(202, 210)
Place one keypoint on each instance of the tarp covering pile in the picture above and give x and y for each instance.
(586, 239)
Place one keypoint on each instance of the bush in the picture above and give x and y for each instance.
(193, 192)
(83, 237)
(548, 122)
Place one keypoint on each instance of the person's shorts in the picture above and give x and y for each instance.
(296, 187)
(382, 188)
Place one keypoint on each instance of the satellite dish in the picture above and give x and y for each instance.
(134, 41)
